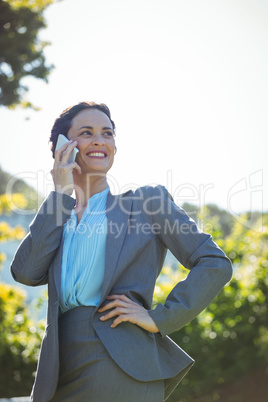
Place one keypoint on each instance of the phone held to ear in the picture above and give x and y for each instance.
(62, 140)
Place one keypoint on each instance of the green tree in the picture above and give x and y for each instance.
(21, 52)
(20, 336)
(20, 339)
(25, 196)
(229, 339)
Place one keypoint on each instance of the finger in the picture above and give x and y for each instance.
(114, 304)
(63, 154)
(75, 167)
(120, 297)
(59, 151)
(116, 312)
(66, 154)
(120, 319)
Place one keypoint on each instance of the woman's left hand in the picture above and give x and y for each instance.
(127, 310)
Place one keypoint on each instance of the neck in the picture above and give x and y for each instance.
(86, 185)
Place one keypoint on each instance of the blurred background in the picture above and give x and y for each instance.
(186, 83)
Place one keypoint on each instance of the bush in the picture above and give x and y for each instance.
(20, 336)
(230, 337)
(20, 339)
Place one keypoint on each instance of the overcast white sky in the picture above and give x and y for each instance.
(186, 82)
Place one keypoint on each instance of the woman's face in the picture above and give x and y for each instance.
(94, 134)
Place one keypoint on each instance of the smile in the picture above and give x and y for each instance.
(96, 154)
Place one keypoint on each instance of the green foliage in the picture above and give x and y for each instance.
(21, 195)
(230, 337)
(21, 49)
(9, 233)
(20, 336)
(20, 339)
(6, 231)
(209, 215)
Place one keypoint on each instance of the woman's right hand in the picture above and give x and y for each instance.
(62, 172)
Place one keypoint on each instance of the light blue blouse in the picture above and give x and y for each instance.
(83, 259)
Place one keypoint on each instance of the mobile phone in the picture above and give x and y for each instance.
(62, 140)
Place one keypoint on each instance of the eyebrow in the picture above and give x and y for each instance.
(91, 128)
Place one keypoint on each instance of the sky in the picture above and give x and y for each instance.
(187, 86)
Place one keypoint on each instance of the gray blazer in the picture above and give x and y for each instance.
(141, 226)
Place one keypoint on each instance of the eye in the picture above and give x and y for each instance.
(108, 133)
(86, 132)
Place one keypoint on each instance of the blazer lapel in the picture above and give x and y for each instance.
(118, 211)
(57, 267)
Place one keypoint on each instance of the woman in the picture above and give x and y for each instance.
(100, 255)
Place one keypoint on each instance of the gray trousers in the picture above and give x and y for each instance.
(88, 373)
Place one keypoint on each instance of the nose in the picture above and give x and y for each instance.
(98, 139)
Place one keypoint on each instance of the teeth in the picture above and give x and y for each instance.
(96, 154)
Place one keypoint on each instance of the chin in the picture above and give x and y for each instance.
(90, 171)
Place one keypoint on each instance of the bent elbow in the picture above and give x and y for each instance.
(28, 280)
(227, 270)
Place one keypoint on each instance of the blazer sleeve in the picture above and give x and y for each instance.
(210, 269)
(33, 257)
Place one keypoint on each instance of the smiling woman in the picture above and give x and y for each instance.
(89, 127)
(100, 255)
(95, 143)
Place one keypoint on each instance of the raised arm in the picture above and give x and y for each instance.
(34, 255)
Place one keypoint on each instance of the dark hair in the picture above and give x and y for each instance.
(63, 123)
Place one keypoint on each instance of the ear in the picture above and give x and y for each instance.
(115, 149)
